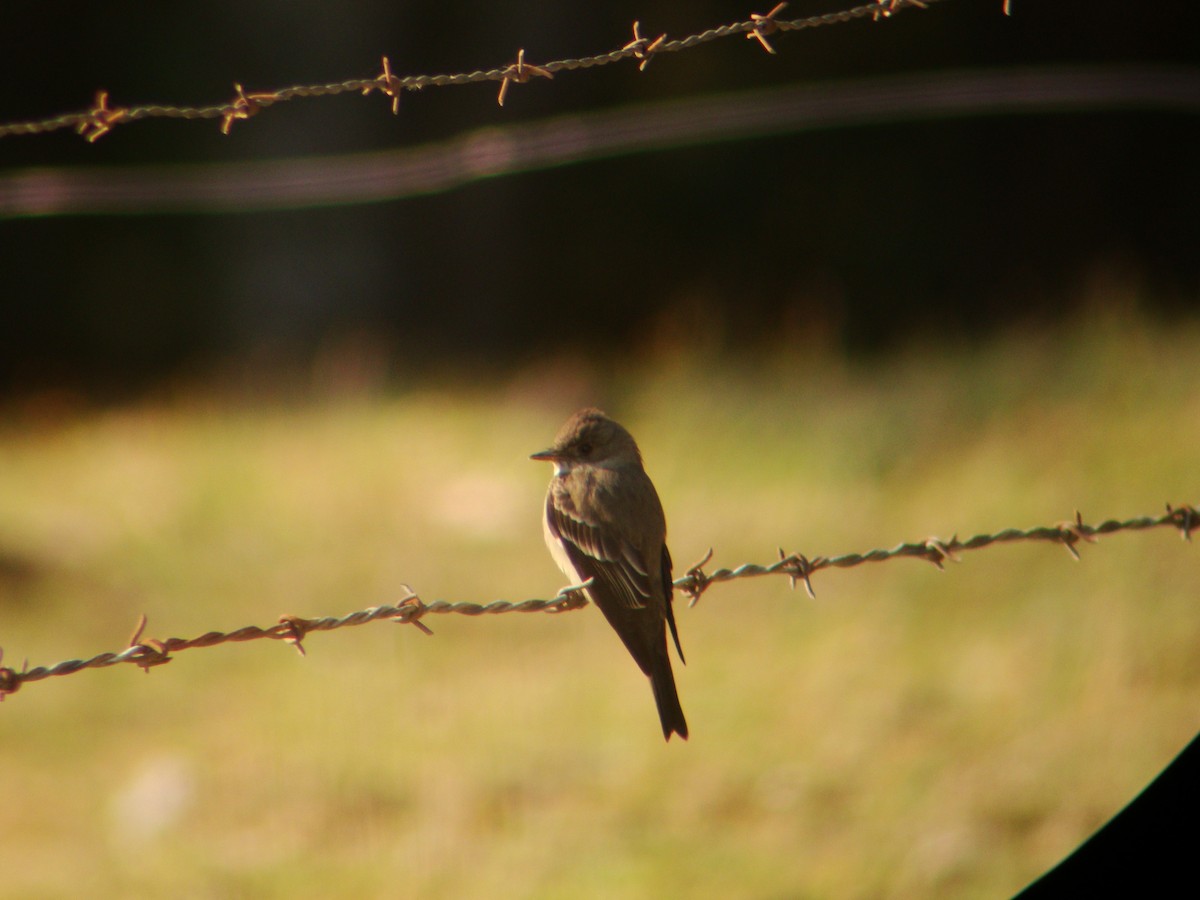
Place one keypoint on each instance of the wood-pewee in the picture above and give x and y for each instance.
(604, 521)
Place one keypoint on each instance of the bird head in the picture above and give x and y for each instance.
(591, 438)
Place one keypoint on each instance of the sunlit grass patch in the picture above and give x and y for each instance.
(908, 732)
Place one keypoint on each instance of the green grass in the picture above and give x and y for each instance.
(909, 733)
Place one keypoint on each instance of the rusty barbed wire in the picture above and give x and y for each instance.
(934, 550)
(101, 118)
(411, 609)
(495, 151)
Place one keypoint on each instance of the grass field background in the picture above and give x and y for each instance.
(909, 733)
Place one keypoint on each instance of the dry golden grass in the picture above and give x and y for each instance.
(909, 733)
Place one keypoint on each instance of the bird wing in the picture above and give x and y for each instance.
(598, 552)
(668, 592)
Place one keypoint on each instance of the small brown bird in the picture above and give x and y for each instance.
(604, 521)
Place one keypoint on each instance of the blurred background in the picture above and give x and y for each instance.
(830, 331)
(853, 237)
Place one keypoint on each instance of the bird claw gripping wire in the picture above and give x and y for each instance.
(642, 48)
(520, 72)
(571, 597)
(764, 25)
(100, 119)
(388, 85)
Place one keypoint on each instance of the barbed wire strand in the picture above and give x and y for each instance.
(411, 609)
(102, 118)
(493, 151)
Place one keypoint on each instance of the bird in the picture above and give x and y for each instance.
(604, 524)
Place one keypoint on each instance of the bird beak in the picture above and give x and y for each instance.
(548, 455)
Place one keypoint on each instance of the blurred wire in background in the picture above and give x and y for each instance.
(642, 128)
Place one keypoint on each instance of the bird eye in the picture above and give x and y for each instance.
(585, 448)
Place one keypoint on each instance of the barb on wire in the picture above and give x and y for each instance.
(936, 551)
(411, 609)
(388, 85)
(886, 8)
(764, 25)
(519, 73)
(408, 610)
(100, 119)
(244, 106)
(643, 49)
(437, 166)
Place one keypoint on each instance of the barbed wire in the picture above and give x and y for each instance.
(411, 609)
(568, 138)
(102, 118)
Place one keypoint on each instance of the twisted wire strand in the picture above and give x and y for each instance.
(494, 151)
(410, 609)
(100, 119)
(936, 551)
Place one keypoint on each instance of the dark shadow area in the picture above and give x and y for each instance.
(1149, 848)
(866, 236)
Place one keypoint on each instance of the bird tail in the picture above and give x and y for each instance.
(670, 713)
